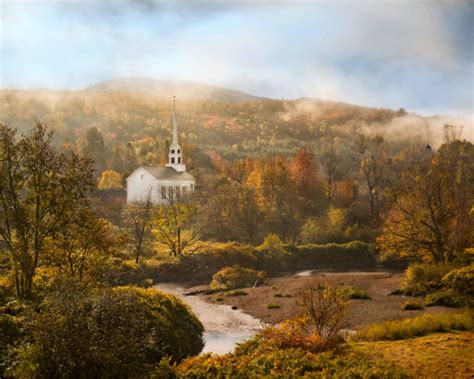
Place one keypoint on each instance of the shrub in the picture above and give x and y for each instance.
(236, 293)
(279, 294)
(237, 277)
(326, 310)
(460, 280)
(411, 305)
(273, 306)
(415, 327)
(448, 298)
(120, 332)
(422, 279)
(355, 293)
(255, 359)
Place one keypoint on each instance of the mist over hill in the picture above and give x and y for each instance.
(183, 90)
(135, 114)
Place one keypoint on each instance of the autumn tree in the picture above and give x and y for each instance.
(275, 194)
(138, 217)
(430, 214)
(38, 188)
(229, 211)
(306, 180)
(172, 225)
(333, 172)
(370, 158)
(81, 247)
(110, 179)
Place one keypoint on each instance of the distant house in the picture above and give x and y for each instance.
(162, 183)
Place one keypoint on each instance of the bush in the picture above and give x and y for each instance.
(255, 359)
(411, 305)
(355, 293)
(418, 326)
(423, 279)
(460, 280)
(235, 293)
(273, 306)
(237, 277)
(448, 298)
(120, 332)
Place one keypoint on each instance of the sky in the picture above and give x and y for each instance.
(418, 55)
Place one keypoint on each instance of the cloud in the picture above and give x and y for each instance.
(416, 55)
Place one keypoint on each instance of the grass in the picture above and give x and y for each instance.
(273, 306)
(235, 293)
(355, 293)
(447, 355)
(418, 326)
(279, 294)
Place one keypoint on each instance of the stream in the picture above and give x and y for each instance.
(224, 327)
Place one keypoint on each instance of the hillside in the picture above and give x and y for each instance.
(132, 118)
(183, 90)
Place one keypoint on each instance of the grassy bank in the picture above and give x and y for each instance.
(199, 267)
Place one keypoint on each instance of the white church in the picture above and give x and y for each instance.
(163, 183)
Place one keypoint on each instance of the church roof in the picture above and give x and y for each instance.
(168, 173)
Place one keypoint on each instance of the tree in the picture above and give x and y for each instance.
(333, 172)
(172, 226)
(139, 217)
(369, 157)
(81, 247)
(275, 195)
(94, 147)
(229, 211)
(306, 180)
(110, 179)
(38, 189)
(430, 215)
(110, 332)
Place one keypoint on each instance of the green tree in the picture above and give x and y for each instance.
(172, 226)
(107, 333)
(38, 189)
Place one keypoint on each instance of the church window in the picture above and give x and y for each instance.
(192, 187)
(178, 151)
(163, 192)
(179, 160)
(172, 151)
(172, 160)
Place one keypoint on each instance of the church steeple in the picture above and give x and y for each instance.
(175, 156)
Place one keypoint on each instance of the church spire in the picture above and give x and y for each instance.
(175, 157)
(174, 142)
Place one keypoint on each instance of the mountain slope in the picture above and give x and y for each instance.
(184, 90)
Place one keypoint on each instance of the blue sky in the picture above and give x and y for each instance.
(413, 54)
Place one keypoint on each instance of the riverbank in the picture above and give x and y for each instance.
(224, 327)
(281, 294)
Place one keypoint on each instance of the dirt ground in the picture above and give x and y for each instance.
(378, 285)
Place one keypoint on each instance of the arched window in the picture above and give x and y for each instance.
(179, 160)
(172, 160)
(172, 151)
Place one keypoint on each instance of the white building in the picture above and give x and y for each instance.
(164, 182)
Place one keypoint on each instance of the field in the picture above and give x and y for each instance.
(444, 355)
(284, 292)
